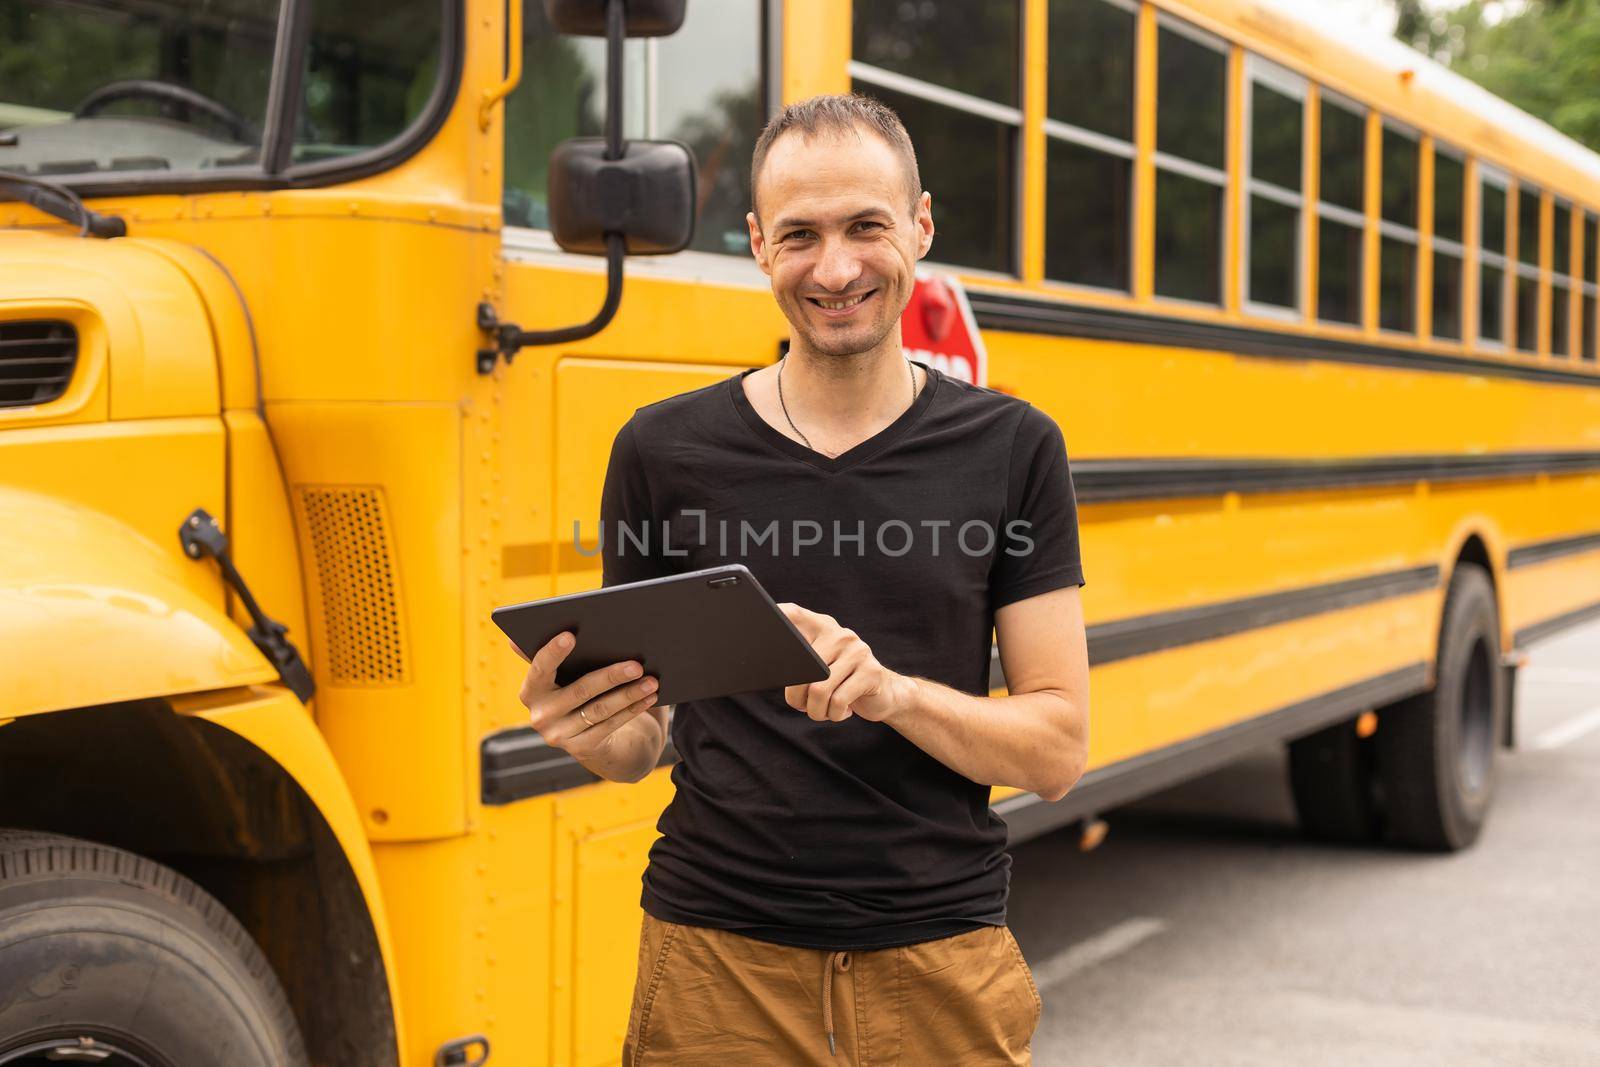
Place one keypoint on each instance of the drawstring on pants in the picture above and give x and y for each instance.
(837, 961)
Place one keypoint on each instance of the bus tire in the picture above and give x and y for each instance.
(103, 950)
(1332, 779)
(1436, 750)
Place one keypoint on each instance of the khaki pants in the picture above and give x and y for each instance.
(714, 998)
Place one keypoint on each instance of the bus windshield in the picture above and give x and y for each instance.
(101, 87)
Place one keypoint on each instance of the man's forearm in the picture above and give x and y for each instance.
(633, 752)
(1034, 741)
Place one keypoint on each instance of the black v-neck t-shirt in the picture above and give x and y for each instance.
(840, 835)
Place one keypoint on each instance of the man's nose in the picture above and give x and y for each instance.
(836, 267)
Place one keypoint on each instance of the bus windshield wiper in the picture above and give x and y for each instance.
(61, 202)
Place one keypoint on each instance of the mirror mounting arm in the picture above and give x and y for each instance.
(509, 338)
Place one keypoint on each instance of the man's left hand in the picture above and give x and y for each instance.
(857, 684)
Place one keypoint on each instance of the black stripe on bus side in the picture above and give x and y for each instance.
(518, 764)
(1539, 551)
(1021, 314)
(1556, 623)
(1096, 480)
(1162, 630)
(1028, 815)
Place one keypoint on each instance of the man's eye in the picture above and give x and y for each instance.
(793, 235)
(876, 225)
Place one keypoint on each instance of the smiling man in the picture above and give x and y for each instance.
(830, 885)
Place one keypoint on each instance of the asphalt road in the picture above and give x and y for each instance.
(1204, 930)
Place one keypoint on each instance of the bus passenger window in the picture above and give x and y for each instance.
(1341, 202)
(955, 81)
(1561, 280)
(1527, 272)
(704, 86)
(1191, 109)
(1276, 131)
(1449, 186)
(1397, 242)
(1089, 132)
(1492, 258)
(1590, 304)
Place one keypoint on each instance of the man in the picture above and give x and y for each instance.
(831, 885)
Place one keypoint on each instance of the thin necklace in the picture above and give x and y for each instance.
(909, 369)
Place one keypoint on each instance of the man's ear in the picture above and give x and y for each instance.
(923, 219)
(758, 241)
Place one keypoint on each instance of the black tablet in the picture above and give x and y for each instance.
(703, 634)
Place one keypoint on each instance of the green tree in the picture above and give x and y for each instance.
(1543, 56)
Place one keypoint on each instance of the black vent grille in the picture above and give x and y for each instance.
(36, 361)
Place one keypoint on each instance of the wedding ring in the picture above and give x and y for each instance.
(586, 718)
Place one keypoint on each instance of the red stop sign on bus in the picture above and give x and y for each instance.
(937, 329)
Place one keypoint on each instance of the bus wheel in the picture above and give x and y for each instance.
(109, 958)
(1436, 750)
(1332, 778)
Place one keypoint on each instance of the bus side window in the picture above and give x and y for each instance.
(1341, 207)
(1493, 219)
(705, 86)
(1276, 132)
(1561, 279)
(1591, 305)
(1397, 237)
(1449, 188)
(1191, 125)
(1527, 274)
(955, 81)
(1089, 134)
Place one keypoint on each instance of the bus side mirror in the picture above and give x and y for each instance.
(608, 196)
(587, 18)
(647, 196)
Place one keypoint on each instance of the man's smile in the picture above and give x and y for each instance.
(839, 308)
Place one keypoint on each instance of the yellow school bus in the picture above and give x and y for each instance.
(278, 431)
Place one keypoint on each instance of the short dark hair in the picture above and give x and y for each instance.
(838, 113)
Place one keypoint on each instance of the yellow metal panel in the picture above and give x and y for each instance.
(435, 898)
(1514, 189)
(1119, 399)
(92, 612)
(1546, 253)
(602, 836)
(1144, 148)
(1423, 315)
(1471, 206)
(1235, 198)
(260, 529)
(1035, 95)
(594, 398)
(1373, 182)
(517, 890)
(398, 739)
(231, 330)
(1312, 169)
(816, 48)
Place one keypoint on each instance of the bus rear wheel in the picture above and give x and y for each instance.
(1436, 750)
(107, 957)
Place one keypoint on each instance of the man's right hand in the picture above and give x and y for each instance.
(581, 718)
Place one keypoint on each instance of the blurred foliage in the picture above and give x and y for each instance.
(1542, 55)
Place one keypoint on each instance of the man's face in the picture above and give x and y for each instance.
(836, 228)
